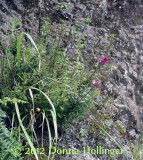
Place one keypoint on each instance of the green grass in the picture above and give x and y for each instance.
(41, 81)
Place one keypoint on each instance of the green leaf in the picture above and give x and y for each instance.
(24, 130)
(50, 137)
(18, 49)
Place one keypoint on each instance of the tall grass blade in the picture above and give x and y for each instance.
(32, 97)
(32, 41)
(52, 112)
(50, 137)
(55, 125)
(109, 135)
(18, 48)
(112, 139)
(28, 139)
(47, 99)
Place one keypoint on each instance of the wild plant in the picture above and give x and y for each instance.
(46, 80)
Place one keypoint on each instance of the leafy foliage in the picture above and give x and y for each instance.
(9, 147)
(48, 80)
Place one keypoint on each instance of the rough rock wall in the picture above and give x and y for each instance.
(128, 26)
(29, 12)
(124, 85)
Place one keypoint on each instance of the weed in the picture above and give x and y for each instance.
(44, 81)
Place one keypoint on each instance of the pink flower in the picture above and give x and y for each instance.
(97, 86)
(99, 61)
(20, 32)
(93, 83)
(97, 82)
(104, 60)
(101, 76)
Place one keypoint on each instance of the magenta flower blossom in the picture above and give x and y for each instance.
(20, 32)
(99, 61)
(93, 83)
(97, 82)
(104, 60)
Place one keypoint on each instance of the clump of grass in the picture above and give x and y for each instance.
(43, 80)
